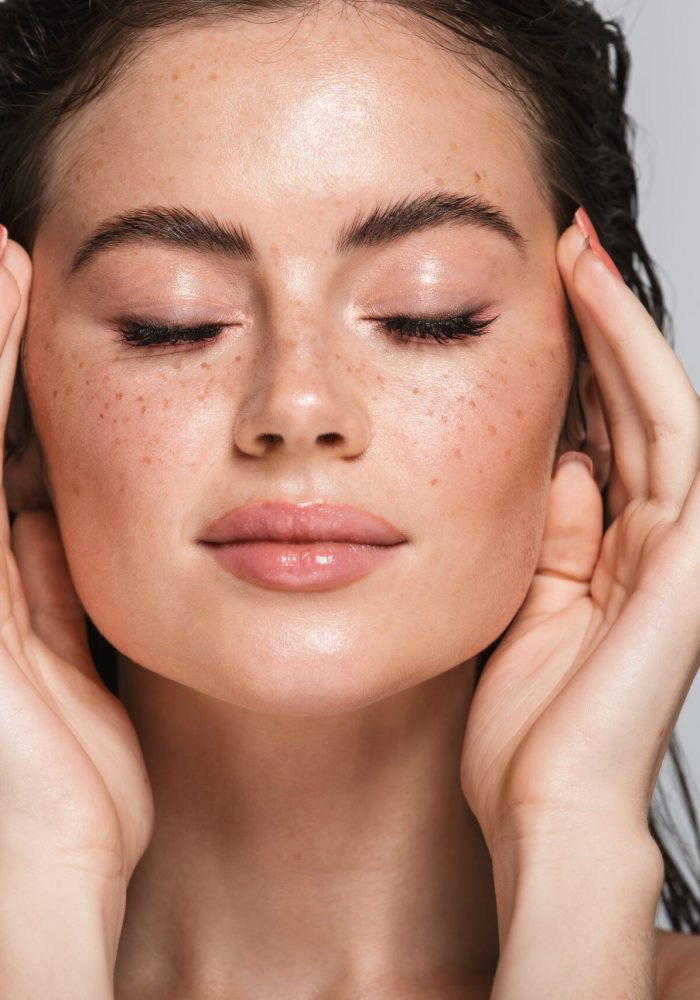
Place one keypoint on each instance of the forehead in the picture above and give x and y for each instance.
(309, 113)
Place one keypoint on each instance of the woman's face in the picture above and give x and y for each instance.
(293, 131)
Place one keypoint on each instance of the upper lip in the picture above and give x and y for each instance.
(302, 522)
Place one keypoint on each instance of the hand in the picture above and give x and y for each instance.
(574, 712)
(74, 793)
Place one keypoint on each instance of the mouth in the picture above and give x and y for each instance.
(305, 546)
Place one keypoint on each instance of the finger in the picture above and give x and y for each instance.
(15, 280)
(666, 400)
(56, 612)
(624, 423)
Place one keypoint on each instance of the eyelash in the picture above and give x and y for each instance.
(441, 330)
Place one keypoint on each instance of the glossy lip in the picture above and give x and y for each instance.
(301, 546)
(312, 521)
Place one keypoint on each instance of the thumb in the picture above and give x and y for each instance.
(571, 540)
(56, 613)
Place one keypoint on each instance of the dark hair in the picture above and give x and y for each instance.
(565, 65)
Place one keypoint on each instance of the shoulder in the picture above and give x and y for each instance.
(677, 965)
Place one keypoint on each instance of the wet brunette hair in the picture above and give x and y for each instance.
(564, 65)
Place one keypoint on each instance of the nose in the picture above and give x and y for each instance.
(303, 403)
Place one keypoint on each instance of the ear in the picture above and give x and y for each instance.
(596, 442)
(25, 483)
(24, 471)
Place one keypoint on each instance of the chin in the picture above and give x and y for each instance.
(324, 670)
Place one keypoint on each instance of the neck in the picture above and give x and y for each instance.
(297, 855)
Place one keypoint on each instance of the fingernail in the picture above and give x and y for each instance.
(584, 223)
(3, 240)
(576, 456)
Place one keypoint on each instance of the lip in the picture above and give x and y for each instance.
(313, 521)
(304, 546)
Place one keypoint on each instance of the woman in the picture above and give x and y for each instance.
(306, 340)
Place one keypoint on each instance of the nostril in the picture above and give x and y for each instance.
(330, 438)
(271, 439)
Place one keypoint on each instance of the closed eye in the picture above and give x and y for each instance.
(440, 330)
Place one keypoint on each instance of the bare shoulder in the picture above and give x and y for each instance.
(677, 965)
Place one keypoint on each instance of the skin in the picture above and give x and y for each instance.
(303, 749)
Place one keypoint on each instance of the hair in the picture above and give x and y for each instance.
(565, 66)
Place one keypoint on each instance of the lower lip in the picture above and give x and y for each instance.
(302, 566)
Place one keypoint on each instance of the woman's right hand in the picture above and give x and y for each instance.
(75, 798)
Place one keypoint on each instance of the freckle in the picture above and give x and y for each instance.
(504, 361)
(348, 369)
(139, 399)
(480, 469)
(102, 416)
(81, 365)
(55, 393)
(434, 482)
(205, 364)
(477, 176)
(380, 379)
(472, 403)
(119, 395)
(122, 490)
(444, 419)
(76, 491)
(213, 76)
(519, 414)
(46, 347)
(143, 409)
(175, 75)
(115, 420)
(337, 357)
(237, 358)
(416, 392)
(166, 404)
(147, 460)
(532, 363)
(88, 381)
(492, 430)
(509, 451)
(457, 453)
(106, 405)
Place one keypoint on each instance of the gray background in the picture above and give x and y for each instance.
(664, 101)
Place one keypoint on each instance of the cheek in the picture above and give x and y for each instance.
(120, 444)
(483, 447)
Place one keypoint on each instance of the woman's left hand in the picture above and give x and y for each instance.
(570, 722)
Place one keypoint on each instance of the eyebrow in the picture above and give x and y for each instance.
(203, 233)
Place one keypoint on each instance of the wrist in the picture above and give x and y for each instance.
(581, 868)
(59, 934)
